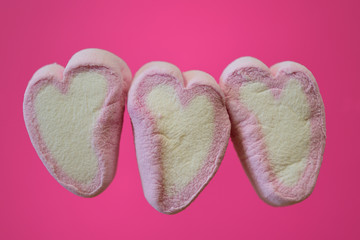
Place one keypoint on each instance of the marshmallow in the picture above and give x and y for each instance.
(74, 118)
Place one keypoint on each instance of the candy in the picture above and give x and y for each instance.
(74, 118)
(278, 127)
(181, 129)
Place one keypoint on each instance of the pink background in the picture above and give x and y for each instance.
(205, 35)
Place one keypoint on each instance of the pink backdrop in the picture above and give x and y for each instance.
(205, 35)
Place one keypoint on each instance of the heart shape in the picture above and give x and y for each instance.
(66, 123)
(284, 124)
(181, 131)
(180, 140)
(278, 127)
(74, 122)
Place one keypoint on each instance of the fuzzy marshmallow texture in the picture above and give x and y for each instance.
(278, 127)
(74, 118)
(181, 130)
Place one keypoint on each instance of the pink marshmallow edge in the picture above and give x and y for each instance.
(246, 132)
(148, 143)
(107, 130)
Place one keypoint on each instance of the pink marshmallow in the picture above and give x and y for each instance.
(150, 139)
(105, 134)
(248, 133)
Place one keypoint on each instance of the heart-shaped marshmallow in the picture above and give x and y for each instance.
(74, 118)
(278, 127)
(181, 130)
